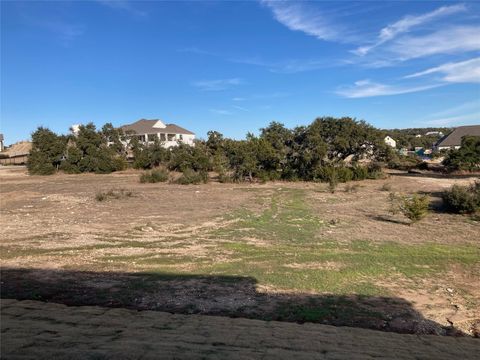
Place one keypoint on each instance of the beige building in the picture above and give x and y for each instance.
(169, 135)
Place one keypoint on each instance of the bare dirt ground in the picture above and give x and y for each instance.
(31, 329)
(181, 249)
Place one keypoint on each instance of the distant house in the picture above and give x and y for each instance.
(390, 142)
(169, 135)
(1, 142)
(431, 133)
(454, 139)
(16, 154)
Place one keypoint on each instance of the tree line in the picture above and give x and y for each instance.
(329, 149)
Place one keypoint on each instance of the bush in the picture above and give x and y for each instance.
(386, 187)
(351, 188)
(467, 157)
(154, 176)
(463, 199)
(192, 177)
(113, 194)
(414, 207)
(404, 162)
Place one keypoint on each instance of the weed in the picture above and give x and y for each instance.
(154, 176)
(414, 207)
(386, 187)
(351, 188)
(114, 194)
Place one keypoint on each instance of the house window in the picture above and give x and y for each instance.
(171, 137)
(180, 137)
(152, 137)
(162, 137)
(141, 138)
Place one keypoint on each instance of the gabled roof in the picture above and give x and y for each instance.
(144, 126)
(455, 137)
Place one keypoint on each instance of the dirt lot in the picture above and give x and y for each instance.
(275, 251)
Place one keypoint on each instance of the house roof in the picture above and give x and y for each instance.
(455, 137)
(19, 149)
(144, 126)
(1, 137)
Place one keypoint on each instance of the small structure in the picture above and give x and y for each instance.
(434, 133)
(75, 129)
(390, 142)
(16, 154)
(454, 139)
(169, 135)
(1, 142)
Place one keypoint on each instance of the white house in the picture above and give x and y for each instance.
(168, 134)
(390, 142)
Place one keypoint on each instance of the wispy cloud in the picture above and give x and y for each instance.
(367, 88)
(459, 72)
(238, 99)
(468, 112)
(217, 85)
(467, 107)
(455, 120)
(450, 40)
(298, 16)
(220, 111)
(240, 108)
(123, 5)
(67, 33)
(407, 23)
(289, 66)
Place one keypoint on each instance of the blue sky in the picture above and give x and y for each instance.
(235, 66)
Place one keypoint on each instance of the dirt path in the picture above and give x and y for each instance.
(32, 329)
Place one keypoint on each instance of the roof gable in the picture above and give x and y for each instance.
(144, 126)
(455, 137)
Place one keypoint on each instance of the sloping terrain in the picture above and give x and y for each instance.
(32, 329)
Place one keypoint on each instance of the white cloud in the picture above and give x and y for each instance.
(451, 40)
(238, 99)
(217, 85)
(240, 108)
(299, 17)
(66, 32)
(460, 72)
(221, 111)
(124, 5)
(468, 112)
(467, 107)
(464, 119)
(367, 88)
(289, 66)
(407, 23)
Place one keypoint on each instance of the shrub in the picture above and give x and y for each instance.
(414, 207)
(463, 199)
(386, 187)
(359, 172)
(332, 182)
(401, 162)
(192, 177)
(351, 188)
(467, 157)
(154, 176)
(375, 171)
(113, 194)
